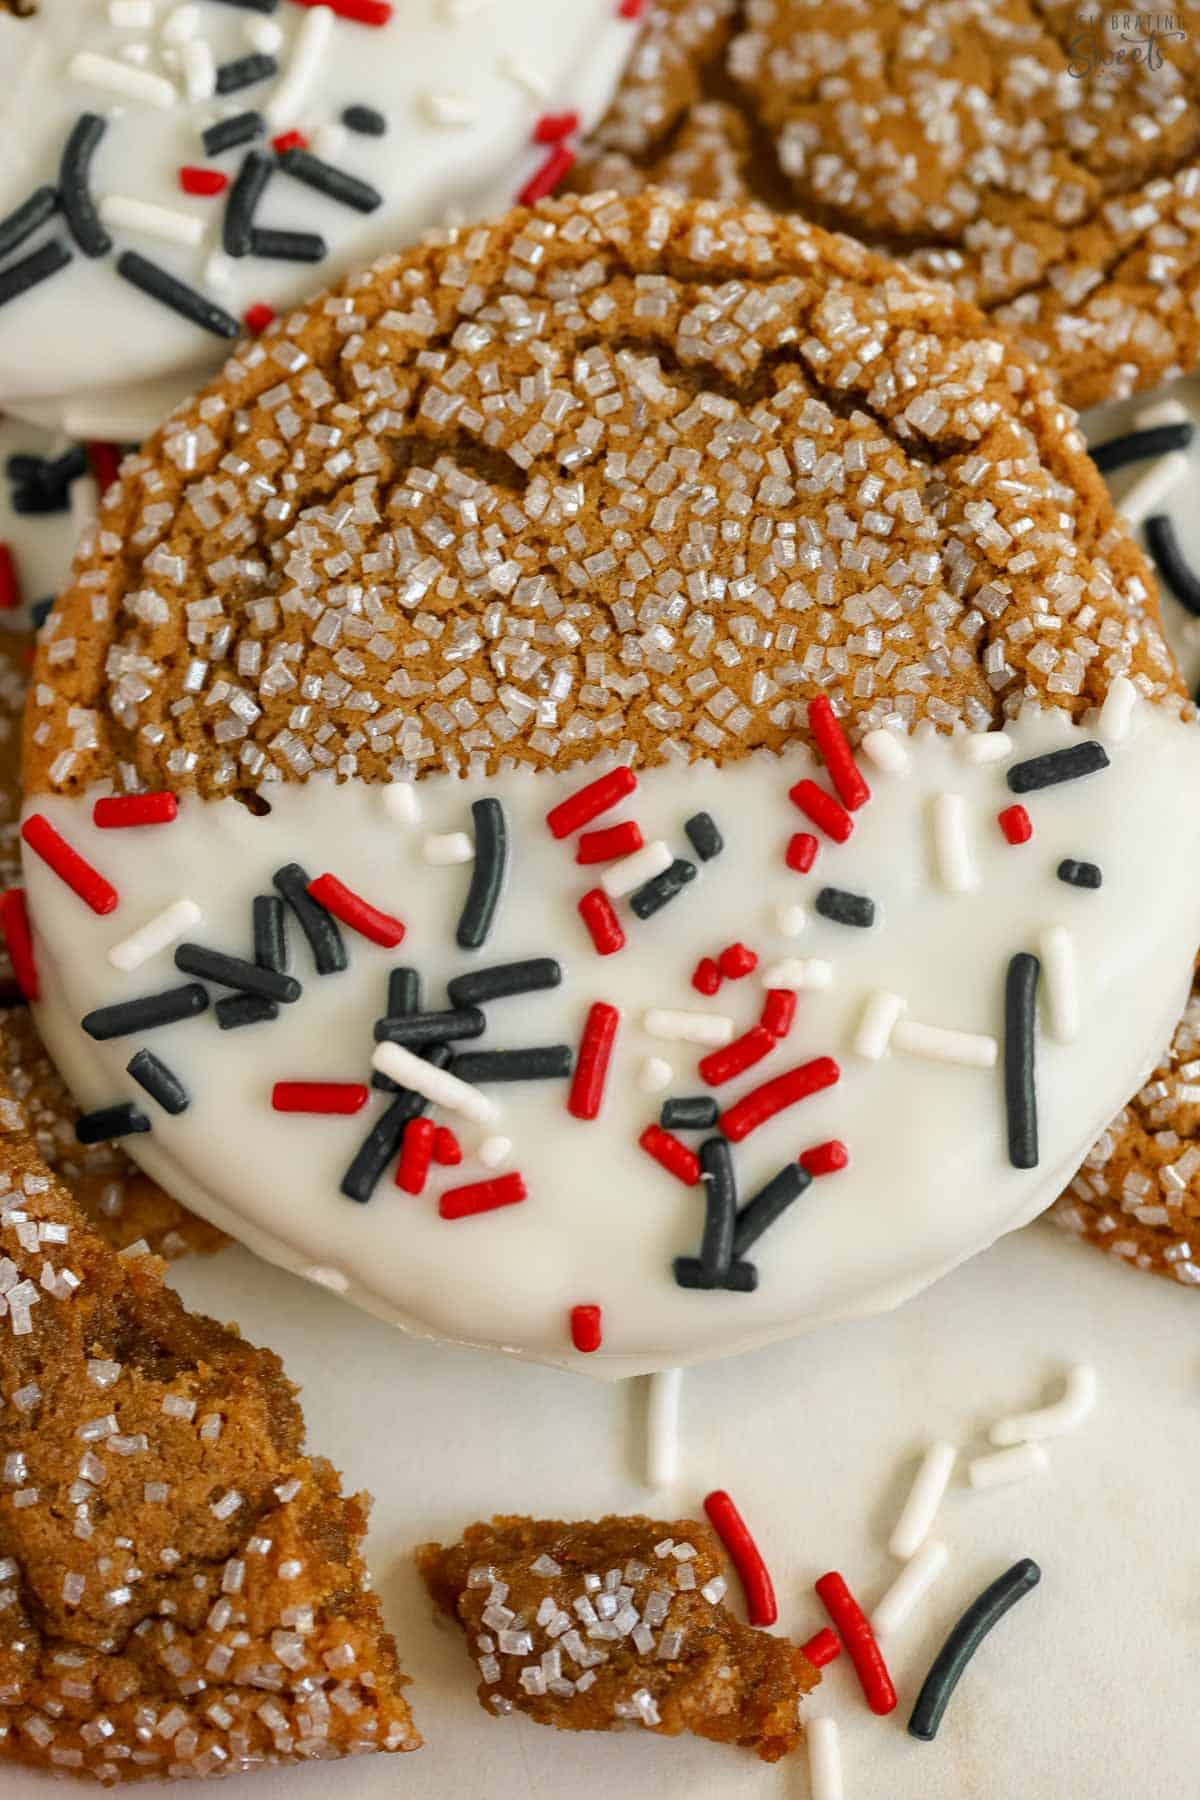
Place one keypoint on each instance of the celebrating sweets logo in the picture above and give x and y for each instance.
(1110, 39)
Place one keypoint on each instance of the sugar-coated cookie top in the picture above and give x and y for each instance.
(1045, 159)
(620, 475)
(249, 153)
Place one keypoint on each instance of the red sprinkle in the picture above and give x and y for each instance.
(118, 810)
(545, 179)
(823, 1647)
(482, 1196)
(256, 318)
(14, 923)
(289, 140)
(824, 1159)
(587, 803)
(586, 1330)
(68, 865)
(447, 1151)
(10, 587)
(674, 1156)
(1016, 824)
(630, 9)
(202, 181)
(762, 1103)
(735, 1058)
(801, 852)
(553, 126)
(105, 460)
(591, 1065)
(318, 1096)
(596, 911)
(737, 960)
(822, 809)
(855, 1632)
(706, 976)
(361, 12)
(745, 1556)
(609, 843)
(779, 1009)
(838, 757)
(356, 912)
(416, 1151)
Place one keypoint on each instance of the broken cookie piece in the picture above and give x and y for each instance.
(182, 1591)
(598, 1624)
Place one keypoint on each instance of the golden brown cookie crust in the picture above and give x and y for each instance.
(694, 1668)
(1029, 154)
(622, 474)
(184, 1592)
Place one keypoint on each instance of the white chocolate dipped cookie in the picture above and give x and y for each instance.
(664, 690)
(171, 174)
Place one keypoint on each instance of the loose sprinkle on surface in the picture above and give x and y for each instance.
(746, 1557)
(920, 1509)
(853, 1627)
(1003, 1467)
(1078, 1399)
(962, 1643)
(910, 1587)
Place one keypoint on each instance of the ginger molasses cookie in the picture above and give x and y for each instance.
(1045, 160)
(595, 792)
(170, 177)
(184, 1590)
(606, 1623)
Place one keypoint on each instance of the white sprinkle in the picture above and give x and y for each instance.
(1117, 710)
(113, 426)
(689, 1027)
(662, 1427)
(518, 69)
(1004, 1466)
(164, 222)
(910, 1587)
(824, 1758)
(924, 1497)
(644, 864)
(325, 1277)
(1057, 949)
(308, 52)
(1161, 412)
(449, 109)
(878, 1021)
(263, 35)
(199, 69)
(181, 24)
(1077, 1402)
(943, 1045)
(119, 78)
(887, 750)
(1151, 489)
(790, 918)
(654, 1075)
(494, 1151)
(985, 747)
(951, 849)
(437, 1085)
(163, 929)
(799, 972)
(131, 15)
(400, 802)
(453, 847)
(84, 497)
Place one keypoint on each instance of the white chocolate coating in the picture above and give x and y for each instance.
(461, 89)
(929, 1180)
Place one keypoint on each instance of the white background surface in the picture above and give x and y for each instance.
(1087, 1691)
